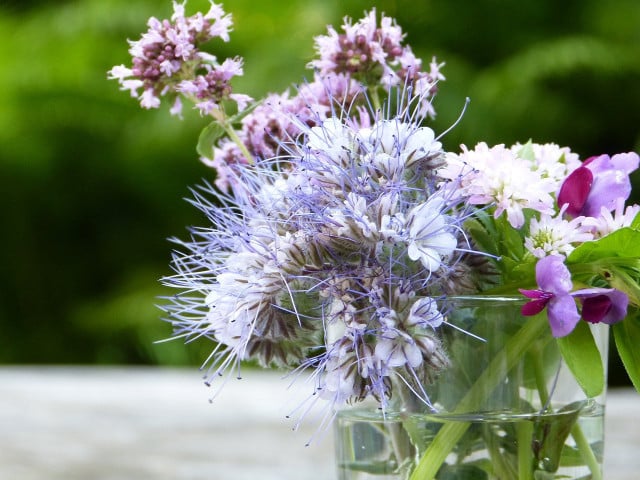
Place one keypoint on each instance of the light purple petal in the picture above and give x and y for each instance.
(611, 181)
(627, 162)
(552, 275)
(608, 187)
(563, 315)
(619, 304)
(598, 163)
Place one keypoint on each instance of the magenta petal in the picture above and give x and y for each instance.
(618, 303)
(575, 190)
(533, 293)
(534, 307)
(594, 309)
(563, 315)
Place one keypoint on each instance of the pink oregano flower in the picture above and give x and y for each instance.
(606, 305)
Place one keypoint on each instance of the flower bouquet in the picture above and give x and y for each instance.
(451, 309)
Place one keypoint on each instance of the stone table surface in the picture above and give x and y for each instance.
(86, 423)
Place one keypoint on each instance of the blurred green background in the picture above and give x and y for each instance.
(92, 185)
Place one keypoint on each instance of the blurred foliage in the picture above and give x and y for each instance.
(92, 184)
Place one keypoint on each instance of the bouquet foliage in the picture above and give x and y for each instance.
(340, 229)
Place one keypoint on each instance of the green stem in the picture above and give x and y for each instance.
(375, 98)
(585, 451)
(541, 383)
(576, 432)
(221, 117)
(236, 139)
(524, 431)
(451, 433)
(501, 467)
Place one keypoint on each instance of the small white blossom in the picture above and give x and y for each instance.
(555, 235)
(609, 222)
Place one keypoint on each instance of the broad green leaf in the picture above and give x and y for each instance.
(551, 432)
(627, 337)
(208, 138)
(621, 243)
(635, 224)
(583, 358)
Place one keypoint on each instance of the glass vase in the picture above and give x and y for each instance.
(507, 407)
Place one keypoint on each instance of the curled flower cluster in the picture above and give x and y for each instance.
(333, 265)
(168, 60)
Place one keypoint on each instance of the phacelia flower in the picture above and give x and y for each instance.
(334, 264)
(606, 305)
(430, 239)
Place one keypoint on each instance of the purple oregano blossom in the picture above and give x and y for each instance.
(606, 305)
(168, 61)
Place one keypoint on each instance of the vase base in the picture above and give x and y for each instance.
(495, 445)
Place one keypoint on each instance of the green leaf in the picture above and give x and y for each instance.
(483, 233)
(627, 337)
(526, 152)
(551, 432)
(460, 472)
(624, 242)
(583, 358)
(208, 138)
